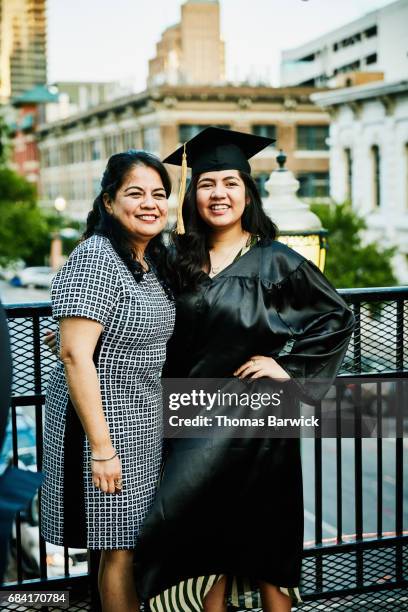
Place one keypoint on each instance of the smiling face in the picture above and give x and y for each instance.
(221, 198)
(140, 204)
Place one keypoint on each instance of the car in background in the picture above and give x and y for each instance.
(11, 270)
(364, 395)
(392, 395)
(35, 276)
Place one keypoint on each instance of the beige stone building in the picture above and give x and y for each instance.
(190, 52)
(74, 151)
(23, 60)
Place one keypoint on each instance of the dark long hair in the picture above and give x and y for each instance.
(100, 222)
(191, 250)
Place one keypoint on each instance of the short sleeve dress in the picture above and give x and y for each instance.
(137, 319)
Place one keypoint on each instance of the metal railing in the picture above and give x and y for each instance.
(340, 566)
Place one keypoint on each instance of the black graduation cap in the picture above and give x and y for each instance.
(214, 149)
(218, 149)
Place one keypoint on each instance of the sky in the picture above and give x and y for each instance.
(112, 40)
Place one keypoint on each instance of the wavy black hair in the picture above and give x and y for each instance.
(100, 222)
(191, 250)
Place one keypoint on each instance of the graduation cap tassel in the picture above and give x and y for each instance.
(182, 192)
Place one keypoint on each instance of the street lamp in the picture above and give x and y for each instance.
(60, 204)
(56, 258)
(298, 226)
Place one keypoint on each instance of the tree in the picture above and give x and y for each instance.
(25, 229)
(349, 263)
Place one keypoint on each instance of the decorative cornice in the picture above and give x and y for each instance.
(360, 92)
(244, 96)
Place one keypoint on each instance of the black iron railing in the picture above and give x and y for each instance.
(351, 563)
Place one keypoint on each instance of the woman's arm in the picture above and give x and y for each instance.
(78, 340)
(320, 324)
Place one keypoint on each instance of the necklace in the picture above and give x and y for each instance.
(143, 261)
(145, 264)
(223, 262)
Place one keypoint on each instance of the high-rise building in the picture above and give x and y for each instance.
(191, 52)
(23, 61)
(375, 44)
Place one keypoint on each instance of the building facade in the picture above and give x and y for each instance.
(77, 96)
(190, 52)
(375, 43)
(23, 46)
(369, 159)
(74, 151)
(29, 110)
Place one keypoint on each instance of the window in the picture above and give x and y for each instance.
(151, 139)
(55, 155)
(79, 153)
(348, 67)
(376, 165)
(110, 145)
(308, 58)
(347, 42)
(371, 59)
(188, 131)
(130, 140)
(308, 83)
(314, 185)
(96, 186)
(265, 130)
(118, 143)
(45, 158)
(349, 173)
(312, 137)
(69, 153)
(370, 32)
(96, 149)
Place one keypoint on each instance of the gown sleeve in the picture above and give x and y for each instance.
(320, 324)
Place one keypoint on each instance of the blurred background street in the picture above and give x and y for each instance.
(22, 295)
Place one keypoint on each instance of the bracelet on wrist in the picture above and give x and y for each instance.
(106, 459)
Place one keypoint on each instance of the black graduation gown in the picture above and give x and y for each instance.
(236, 508)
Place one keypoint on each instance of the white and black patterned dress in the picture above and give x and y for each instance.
(138, 319)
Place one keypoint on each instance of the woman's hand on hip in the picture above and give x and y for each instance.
(260, 366)
(107, 475)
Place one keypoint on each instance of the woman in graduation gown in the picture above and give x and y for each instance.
(229, 516)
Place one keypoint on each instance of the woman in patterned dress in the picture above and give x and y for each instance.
(103, 425)
(228, 515)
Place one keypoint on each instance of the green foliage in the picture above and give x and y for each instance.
(25, 229)
(3, 140)
(14, 188)
(349, 263)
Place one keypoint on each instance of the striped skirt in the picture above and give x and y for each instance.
(188, 595)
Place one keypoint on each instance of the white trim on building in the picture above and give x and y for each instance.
(369, 159)
(376, 42)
